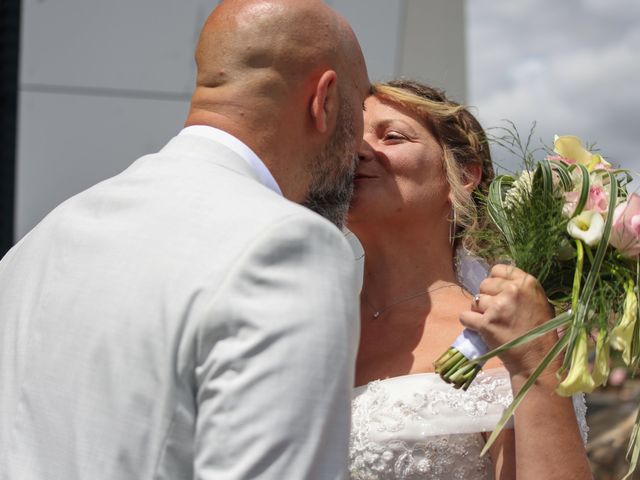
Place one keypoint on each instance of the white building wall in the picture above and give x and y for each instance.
(104, 82)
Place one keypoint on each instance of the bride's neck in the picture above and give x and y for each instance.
(401, 263)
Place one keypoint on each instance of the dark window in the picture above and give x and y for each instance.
(9, 48)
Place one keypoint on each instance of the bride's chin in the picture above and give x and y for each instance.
(363, 204)
(357, 213)
(358, 197)
(355, 207)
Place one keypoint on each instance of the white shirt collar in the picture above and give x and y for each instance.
(231, 142)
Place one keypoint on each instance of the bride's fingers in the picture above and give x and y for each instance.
(477, 303)
(520, 283)
(493, 285)
(472, 320)
(507, 272)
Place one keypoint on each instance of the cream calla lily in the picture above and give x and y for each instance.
(622, 333)
(588, 227)
(578, 379)
(600, 372)
(571, 149)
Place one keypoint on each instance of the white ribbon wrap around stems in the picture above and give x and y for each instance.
(471, 271)
(470, 344)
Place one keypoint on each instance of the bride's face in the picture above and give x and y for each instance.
(401, 172)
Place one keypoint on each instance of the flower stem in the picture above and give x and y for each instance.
(455, 368)
(575, 299)
(577, 276)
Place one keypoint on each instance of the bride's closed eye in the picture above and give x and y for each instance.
(393, 136)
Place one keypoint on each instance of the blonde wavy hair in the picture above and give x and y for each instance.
(461, 138)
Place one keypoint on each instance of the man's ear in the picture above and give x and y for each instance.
(325, 100)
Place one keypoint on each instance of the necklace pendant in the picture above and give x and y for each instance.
(376, 315)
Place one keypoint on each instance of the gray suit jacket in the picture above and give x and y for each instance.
(177, 321)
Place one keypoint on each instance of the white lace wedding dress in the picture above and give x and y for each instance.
(419, 427)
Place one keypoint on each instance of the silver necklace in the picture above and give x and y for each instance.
(377, 313)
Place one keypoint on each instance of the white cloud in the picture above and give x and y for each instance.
(572, 66)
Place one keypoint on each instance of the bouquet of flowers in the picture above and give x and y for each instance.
(569, 220)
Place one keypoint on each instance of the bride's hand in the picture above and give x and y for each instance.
(510, 303)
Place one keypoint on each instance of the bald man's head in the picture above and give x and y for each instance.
(276, 74)
(273, 43)
(267, 40)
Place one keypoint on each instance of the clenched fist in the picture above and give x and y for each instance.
(510, 303)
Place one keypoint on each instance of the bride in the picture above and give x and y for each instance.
(421, 159)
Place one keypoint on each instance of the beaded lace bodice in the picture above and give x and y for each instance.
(418, 427)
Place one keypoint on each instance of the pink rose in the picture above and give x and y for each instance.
(625, 230)
(570, 203)
(603, 166)
(598, 201)
(560, 158)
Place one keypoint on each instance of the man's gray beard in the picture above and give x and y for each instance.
(330, 191)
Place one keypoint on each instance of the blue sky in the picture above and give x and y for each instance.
(572, 66)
